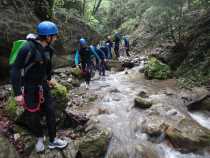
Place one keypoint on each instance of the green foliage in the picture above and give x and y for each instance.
(58, 3)
(128, 26)
(157, 70)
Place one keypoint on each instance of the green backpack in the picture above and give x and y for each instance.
(17, 45)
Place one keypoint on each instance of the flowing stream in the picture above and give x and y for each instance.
(117, 92)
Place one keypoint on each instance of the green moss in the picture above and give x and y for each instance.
(59, 90)
(192, 77)
(142, 103)
(13, 110)
(94, 143)
(155, 69)
(11, 107)
(76, 72)
(92, 98)
(60, 99)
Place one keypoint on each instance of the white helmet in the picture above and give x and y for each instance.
(31, 36)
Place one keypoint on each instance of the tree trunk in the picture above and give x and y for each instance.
(97, 7)
(83, 7)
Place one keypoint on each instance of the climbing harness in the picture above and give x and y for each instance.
(40, 100)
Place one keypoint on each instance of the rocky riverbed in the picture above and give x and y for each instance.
(121, 115)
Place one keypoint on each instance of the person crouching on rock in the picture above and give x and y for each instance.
(33, 90)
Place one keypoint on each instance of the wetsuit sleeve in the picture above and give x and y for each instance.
(102, 52)
(109, 52)
(94, 53)
(16, 78)
(76, 58)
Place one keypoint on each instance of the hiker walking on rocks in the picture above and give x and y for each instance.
(32, 91)
(117, 40)
(85, 56)
(102, 63)
(126, 45)
(109, 44)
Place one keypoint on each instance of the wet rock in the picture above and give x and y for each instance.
(142, 103)
(75, 117)
(155, 69)
(194, 95)
(94, 144)
(114, 65)
(143, 94)
(115, 90)
(141, 69)
(134, 151)
(128, 64)
(92, 98)
(153, 126)
(196, 100)
(76, 82)
(76, 72)
(6, 149)
(143, 152)
(201, 105)
(184, 133)
(188, 136)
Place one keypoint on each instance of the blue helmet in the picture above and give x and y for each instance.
(47, 28)
(82, 42)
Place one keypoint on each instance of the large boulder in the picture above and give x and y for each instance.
(7, 150)
(188, 136)
(155, 69)
(182, 131)
(201, 105)
(94, 144)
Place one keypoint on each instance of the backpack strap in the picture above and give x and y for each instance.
(25, 69)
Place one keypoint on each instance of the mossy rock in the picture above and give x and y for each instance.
(13, 110)
(188, 136)
(94, 144)
(92, 98)
(142, 103)
(114, 65)
(7, 150)
(76, 72)
(59, 90)
(155, 69)
(59, 95)
(60, 100)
